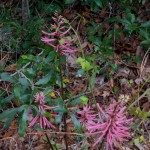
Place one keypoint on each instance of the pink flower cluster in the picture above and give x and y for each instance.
(110, 124)
(39, 98)
(86, 115)
(57, 38)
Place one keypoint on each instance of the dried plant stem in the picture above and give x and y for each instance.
(62, 92)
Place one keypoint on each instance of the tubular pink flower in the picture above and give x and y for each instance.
(57, 35)
(86, 115)
(51, 34)
(43, 121)
(33, 121)
(47, 40)
(64, 33)
(112, 125)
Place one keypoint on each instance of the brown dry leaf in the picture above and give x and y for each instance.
(13, 125)
(72, 60)
(16, 102)
(9, 133)
(90, 45)
(84, 44)
(105, 94)
(1, 25)
(111, 81)
(40, 147)
(4, 60)
(11, 67)
(70, 127)
(1, 5)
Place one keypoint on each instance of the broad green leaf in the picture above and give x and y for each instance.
(7, 99)
(144, 114)
(50, 57)
(84, 99)
(17, 91)
(144, 34)
(5, 114)
(61, 109)
(62, 41)
(48, 90)
(44, 80)
(24, 82)
(22, 127)
(146, 24)
(28, 57)
(80, 73)
(7, 77)
(9, 120)
(59, 117)
(80, 60)
(23, 120)
(86, 66)
(76, 123)
(74, 102)
(123, 21)
(136, 141)
(146, 41)
(69, 1)
(98, 3)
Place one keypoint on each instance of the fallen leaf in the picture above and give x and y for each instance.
(11, 67)
(105, 94)
(111, 81)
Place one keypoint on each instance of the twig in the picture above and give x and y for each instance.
(68, 133)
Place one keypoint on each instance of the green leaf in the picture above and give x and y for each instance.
(10, 119)
(44, 80)
(98, 3)
(142, 138)
(5, 114)
(24, 82)
(61, 109)
(28, 57)
(146, 41)
(17, 91)
(23, 120)
(80, 73)
(7, 99)
(62, 41)
(146, 24)
(123, 21)
(76, 123)
(144, 34)
(144, 114)
(80, 60)
(59, 117)
(7, 77)
(67, 2)
(74, 102)
(84, 99)
(86, 66)
(50, 57)
(136, 141)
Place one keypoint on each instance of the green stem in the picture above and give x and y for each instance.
(62, 92)
(134, 99)
(49, 142)
(83, 55)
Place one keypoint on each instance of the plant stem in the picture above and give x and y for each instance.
(62, 92)
(49, 142)
(83, 55)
